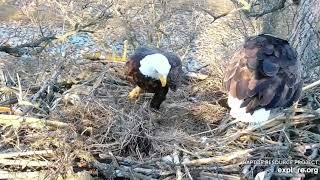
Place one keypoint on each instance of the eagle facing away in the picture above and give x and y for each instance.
(263, 75)
(154, 71)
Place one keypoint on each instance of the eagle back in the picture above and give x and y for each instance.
(264, 73)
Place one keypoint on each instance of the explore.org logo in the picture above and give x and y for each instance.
(298, 170)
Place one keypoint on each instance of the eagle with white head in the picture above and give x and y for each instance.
(154, 71)
(263, 75)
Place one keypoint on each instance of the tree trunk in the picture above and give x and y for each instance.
(305, 37)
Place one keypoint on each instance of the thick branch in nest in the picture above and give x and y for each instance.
(48, 83)
(28, 153)
(17, 121)
(25, 163)
(42, 175)
(23, 175)
(208, 175)
(220, 159)
(312, 85)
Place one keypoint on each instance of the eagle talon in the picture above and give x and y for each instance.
(135, 93)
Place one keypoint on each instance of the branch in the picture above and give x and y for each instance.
(48, 83)
(27, 153)
(219, 159)
(17, 121)
(23, 175)
(233, 156)
(312, 85)
(19, 50)
(10, 101)
(37, 42)
(25, 163)
(177, 163)
(208, 175)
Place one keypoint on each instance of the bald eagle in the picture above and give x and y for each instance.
(154, 71)
(263, 75)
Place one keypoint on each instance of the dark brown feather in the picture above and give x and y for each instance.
(265, 73)
(270, 68)
(149, 84)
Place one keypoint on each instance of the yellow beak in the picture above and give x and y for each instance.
(163, 80)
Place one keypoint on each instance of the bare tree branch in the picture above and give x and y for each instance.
(20, 49)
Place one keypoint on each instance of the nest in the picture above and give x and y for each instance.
(87, 128)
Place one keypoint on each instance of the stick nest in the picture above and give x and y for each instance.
(75, 121)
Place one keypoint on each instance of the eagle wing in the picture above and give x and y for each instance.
(176, 74)
(264, 73)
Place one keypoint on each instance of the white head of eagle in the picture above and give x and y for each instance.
(156, 66)
(154, 71)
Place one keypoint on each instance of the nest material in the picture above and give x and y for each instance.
(89, 128)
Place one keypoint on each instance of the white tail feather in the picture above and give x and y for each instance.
(240, 114)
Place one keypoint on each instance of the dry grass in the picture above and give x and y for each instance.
(103, 133)
(73, 119)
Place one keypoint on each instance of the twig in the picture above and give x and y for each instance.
(23, 175)
(125, 171)
(114, 160)
(10, 101)
(186, 169)
(20, 89)
(312, 85)
(45, 86)
(176, 161)
(47, 83)
(27, 163)
(28, 153)
(270, 123)
(264, 140)
(233, 156)
(141, 176)
(148, 172)
(37, 42)
(211, 176)
(184, 150)
(220, 159)
(197, 76)
(17, 121)
(18, 50)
